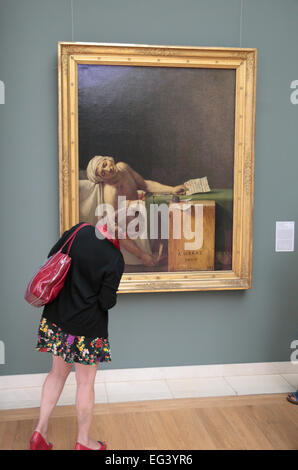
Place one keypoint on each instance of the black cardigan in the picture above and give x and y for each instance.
(91, 284)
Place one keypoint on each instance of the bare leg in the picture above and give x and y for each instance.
(51, 391)
(85, 377)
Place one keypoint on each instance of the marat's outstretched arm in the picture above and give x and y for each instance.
(153, 186)
(156, 187)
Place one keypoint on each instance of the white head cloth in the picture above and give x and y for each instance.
(92, 166)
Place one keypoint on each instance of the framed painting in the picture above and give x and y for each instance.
(167, 132)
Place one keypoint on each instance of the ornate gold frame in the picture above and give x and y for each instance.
(244, 61)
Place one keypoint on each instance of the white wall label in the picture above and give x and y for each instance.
(284, 236)
(294, 94)
(2, 92)
(2, 352)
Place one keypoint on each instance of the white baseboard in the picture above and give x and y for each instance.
(155, 383)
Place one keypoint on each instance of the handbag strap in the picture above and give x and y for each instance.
(72, 237)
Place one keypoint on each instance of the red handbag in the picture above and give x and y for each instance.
(48, 281)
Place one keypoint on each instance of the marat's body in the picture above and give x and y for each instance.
(119, 179)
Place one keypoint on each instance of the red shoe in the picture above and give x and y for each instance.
(79, 446)
(37, 442)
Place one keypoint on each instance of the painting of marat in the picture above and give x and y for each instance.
(106, 181)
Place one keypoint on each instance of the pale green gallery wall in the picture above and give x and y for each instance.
(160, 329)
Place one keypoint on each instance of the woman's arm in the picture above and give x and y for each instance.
(107, 297)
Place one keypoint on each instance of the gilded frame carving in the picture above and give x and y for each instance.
(244, 61)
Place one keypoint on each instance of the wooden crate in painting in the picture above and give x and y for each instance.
(200, 222)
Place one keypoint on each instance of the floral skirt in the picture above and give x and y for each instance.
(51, 338)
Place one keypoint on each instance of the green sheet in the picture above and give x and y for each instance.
(223, 213)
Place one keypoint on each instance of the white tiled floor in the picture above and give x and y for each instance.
(100, 393)
(138, 390)
(157, 384)
(292, 379)
(135, 390)
(256, 384)
(199, 387)
(19, 398)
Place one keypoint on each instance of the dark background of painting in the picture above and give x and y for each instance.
(170, 124)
